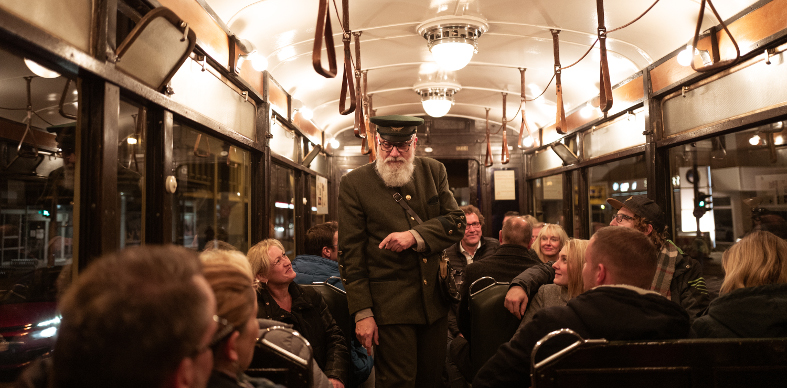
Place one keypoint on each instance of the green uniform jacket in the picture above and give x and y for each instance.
(400, 288)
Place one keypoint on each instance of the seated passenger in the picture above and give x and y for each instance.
(619, 267)
(320, 263)
(281, 299)
(511, 258)
(549, 242)
(568, 280)
(753, 296)
(229, 275)
(141, 317)
(678, 277)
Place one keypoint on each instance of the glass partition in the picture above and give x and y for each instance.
(212, 199)
(729, 185)
(620, 180)
(282, 222)
(548, 199)
(131, 169)
(39, 163)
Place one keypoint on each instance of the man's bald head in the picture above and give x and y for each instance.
(516, 230)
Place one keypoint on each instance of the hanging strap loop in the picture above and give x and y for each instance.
(605, 85)
(347, 81)
(324, 30)
(488, 161)
(524, 99)
(560, 114)
(718, 65)
(505, 156)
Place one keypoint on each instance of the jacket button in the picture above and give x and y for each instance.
(450, 232)
(412, 218)
(408, 197)
(459, 225)
(424, 281)
(341, 266)
(344, 280)
(424, 260)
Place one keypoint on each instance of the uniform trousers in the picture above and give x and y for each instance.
(410, 355)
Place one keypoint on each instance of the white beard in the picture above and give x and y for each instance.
(395, 175)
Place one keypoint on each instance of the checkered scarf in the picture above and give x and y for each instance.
(665, 269)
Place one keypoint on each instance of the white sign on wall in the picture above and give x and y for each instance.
(322, 195)
(505, 185)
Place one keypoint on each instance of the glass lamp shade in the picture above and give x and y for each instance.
(437, 108)
(39, 70)
(453, 55)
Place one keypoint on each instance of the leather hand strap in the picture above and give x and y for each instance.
(717, 65)
(524, 99)
(488, 161)
(505, 156)
(560, 114)
(605, 86)
(360, 123)
(324, 30)
(347, 80)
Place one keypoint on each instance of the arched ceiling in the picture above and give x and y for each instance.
(518, 36)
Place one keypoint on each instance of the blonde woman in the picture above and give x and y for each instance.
(549, 242)
(753, 297)
(568, 280)
(281, 299)
(229, 275)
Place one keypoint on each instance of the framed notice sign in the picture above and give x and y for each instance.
(322, 195)
(505, 185)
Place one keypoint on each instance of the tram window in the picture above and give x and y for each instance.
(131, 169)
(282, 222)
(38, 160)
(747, 188)
(620, 180)
(212, 199)
(548, 199)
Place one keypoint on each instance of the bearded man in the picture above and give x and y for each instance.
(389, 255)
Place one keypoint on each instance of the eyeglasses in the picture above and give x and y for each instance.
(224, 331)
(619, 217)
(474, 225)
(388, 147)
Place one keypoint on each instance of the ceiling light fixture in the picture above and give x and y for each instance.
(250, 53)
(39, 70)
(453, 40)
(437, 97)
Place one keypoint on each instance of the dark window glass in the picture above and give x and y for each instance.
(212, 198)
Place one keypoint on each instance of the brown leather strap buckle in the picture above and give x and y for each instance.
(560, 113)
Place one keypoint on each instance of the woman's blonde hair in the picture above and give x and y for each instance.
(575, 252)
(549, 230)
(758, 259)
(229, 275)
(258, 256)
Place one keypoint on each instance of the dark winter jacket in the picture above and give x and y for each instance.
(687, 287)
(615, 313)
(315, 269)
(221, 380)
(310, 317)
(459, 264)
(750, 312)
(509, 261)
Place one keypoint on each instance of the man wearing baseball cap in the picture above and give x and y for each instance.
(678, 277)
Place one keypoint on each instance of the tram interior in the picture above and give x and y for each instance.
(712, 148)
